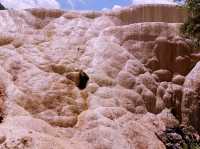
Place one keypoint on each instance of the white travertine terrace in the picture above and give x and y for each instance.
(131, 56)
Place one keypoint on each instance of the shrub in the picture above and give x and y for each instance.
(191, 28)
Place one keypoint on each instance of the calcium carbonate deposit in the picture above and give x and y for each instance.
(95, 80)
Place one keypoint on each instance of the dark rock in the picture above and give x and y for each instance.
(175, 137)
(83, 79)
(179, 137)
(80, 78)
(183, 65)
(1, 118)
(174, 112)
(2, 7)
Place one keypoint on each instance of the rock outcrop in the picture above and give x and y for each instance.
(191, 98)
(134, 64)
(180, 137)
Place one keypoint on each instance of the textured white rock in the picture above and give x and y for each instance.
(190, 103)
(44, 109)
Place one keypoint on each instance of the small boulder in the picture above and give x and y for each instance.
(183, 65)
(140, 110)
(153, 63)
(178, 79)
(83, 79)
(80, 78)
(126, 79)
(163, 75)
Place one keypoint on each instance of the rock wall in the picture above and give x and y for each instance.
(151, 13)
(136, 65)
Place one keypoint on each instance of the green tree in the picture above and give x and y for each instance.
(191, 28)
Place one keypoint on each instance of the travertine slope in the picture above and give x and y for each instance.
(137, 64)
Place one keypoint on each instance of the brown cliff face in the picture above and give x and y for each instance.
(151, 13)
(136, 62)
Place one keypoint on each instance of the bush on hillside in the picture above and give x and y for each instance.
(191, 28)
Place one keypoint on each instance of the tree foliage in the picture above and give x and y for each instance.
(2, 7)
(191, 28)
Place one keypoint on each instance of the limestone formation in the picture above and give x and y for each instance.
(178, 79)
(135, 67)
(163, 75)
(191, 102)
